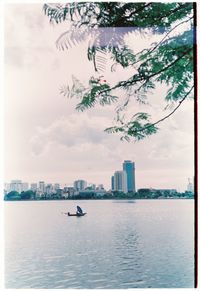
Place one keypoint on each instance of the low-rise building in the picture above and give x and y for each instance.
(68, 192)
(16, 185)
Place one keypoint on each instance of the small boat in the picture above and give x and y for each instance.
(76, 214)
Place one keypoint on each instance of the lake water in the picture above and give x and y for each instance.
(118, 244)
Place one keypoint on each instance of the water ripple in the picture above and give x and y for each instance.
(149, 244)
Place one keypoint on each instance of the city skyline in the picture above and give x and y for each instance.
(46, 139)
(33, 185)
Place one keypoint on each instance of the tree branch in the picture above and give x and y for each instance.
(168, 115)
(159, 43)
(181, 6)
(172, 112)
(138, 10)
(168, 34)
(131, 82)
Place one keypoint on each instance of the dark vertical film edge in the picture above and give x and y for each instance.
(195, 144)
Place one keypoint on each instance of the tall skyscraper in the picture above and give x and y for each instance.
(129, 168)
(120, 181)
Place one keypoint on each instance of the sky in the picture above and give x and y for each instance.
(46, 139)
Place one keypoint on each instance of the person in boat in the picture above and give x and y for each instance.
(79, 210)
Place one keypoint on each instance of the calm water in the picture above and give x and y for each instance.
(118, 244)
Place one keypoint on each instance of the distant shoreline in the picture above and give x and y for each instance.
(116, 199)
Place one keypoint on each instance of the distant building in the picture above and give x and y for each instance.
(93, 186)
(59, 192)
(68, 191)
(100, 187)
(56, 187)
(80, 185)
(120, 181)
(190, 186)
(25, 186)
(129, 168)
(41, 186)
(7, 187)
(49, 189)
(112, 183)
(39, 193)
(34, 187)
(16, 185)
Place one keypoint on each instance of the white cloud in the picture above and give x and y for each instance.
(73, 130)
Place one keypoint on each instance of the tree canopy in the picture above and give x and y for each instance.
(168, 61)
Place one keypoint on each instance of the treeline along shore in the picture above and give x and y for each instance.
(144, 193)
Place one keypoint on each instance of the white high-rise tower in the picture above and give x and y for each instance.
(120, 181)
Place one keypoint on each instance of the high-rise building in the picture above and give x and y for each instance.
(41, 186)
(80, 185)
(129, 168)
(120, 181)
(34, 186)
(112, 183)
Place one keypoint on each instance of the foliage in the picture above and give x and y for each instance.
(12, 195)
(169, 61)
(26, 195)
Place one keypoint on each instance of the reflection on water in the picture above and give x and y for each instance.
(128, 252)
(116, 245)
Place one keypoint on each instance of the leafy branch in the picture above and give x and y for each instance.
(134, 79)
(169, 61)
(137, 129)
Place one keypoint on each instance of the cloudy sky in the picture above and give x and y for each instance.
(47, 139)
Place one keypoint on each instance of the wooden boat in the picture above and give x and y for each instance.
(78, 213)
(75, 214)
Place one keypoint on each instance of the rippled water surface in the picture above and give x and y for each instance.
(118, 244)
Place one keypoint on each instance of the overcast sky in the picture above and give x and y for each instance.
(47, 139)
